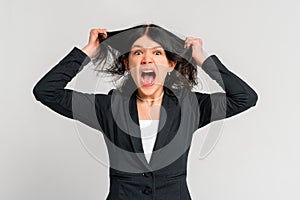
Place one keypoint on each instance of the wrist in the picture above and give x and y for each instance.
(88, 50)
(201, 60)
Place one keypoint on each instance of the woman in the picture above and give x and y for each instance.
(148, 121)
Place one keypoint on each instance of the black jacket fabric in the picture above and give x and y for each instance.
(115, 114)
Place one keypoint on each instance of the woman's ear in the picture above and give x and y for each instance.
(172, 65)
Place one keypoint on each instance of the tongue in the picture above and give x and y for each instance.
(147, 80)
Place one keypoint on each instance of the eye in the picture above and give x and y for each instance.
(157, 52)
(138, 52)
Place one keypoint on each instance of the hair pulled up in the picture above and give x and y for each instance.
(116, 48)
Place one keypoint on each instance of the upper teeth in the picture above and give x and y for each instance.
(147, 71)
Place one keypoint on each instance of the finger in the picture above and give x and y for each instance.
(198, 41)
(102, 36)
(188, 41)
(185, 42)
(104, 31)
(193, 42)
(98, 34)
(97, 31)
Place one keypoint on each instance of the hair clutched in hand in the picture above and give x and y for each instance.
(116, 47)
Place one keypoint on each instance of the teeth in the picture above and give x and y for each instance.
(144, 82)
(147, 71)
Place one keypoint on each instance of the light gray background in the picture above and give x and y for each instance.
(257, 156)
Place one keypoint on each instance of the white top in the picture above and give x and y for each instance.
(149, 130)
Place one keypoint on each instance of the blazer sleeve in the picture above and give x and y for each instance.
(238, 96)
(50, 90)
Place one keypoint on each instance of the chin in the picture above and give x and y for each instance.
(150, 90)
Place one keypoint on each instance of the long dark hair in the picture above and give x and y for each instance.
(116, 47)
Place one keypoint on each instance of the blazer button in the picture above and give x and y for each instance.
(147, 190)
(147, 174)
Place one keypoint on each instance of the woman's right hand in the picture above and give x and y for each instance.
(93, 46)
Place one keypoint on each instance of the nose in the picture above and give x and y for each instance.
(147, 59)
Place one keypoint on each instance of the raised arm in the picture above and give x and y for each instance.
(238, 96)
(50, 90)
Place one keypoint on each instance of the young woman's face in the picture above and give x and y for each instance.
(148, 65)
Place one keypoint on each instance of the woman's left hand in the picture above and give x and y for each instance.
(197, 54)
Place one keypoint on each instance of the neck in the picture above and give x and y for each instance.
(156, 98)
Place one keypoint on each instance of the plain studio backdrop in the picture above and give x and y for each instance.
(46, 156)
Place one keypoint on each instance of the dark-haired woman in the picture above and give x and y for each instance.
(149, 119)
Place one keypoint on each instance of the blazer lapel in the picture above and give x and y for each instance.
(133, 129)
(166, 121)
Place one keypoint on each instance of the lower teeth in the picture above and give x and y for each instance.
(147, 83)
(147, 80)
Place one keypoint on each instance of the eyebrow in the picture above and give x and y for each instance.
(145, 47)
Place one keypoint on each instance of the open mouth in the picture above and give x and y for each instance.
(148, 78)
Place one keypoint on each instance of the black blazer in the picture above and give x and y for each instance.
(115, 115)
